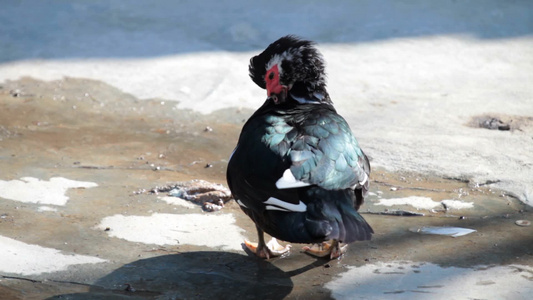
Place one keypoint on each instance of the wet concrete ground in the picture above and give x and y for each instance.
(88, 131)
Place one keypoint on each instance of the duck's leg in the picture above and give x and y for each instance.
(334, 249)
(266, 250)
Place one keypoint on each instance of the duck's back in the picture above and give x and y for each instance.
(299, 173)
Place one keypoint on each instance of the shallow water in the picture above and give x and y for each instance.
(90, 132)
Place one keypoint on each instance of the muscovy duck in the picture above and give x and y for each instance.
(297, 170)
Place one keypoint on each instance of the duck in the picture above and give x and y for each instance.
(297, 170)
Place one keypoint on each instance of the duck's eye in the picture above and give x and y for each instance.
(271, 75)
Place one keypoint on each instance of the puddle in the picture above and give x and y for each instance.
(90, 132)
(411, 280)
(449, 231)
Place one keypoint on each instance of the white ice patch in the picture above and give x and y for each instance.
(288, 181)
(456, 204)
(415, 201)
(425, 203)
(178, 201)
(46, 208)
(34, 190)
(26, 259)
(412, 280)
(172, 229)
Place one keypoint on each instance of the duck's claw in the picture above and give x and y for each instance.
(333, 249)
(271, 249)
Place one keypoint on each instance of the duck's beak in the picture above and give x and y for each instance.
(279, 97)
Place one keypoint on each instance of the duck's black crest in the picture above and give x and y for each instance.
(300, 62)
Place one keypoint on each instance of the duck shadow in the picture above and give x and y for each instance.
(196, 275)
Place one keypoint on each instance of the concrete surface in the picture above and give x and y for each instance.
(101, 100)
(407, 75)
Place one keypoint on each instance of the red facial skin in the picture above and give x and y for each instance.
(275, 90)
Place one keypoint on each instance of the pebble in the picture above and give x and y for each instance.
(494, 123)
(210, 207)
(129, 288)
(15, 93)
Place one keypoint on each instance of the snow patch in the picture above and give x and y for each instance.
(415, 201)
(456, 204)
(173, 229)
(425, 203)
(413, 280)
(34, 190)
(46, 208)
(26, 259)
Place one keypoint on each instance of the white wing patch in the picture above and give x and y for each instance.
(362, 182)
(287, 181)
(276, 204)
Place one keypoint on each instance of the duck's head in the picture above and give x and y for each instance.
(291, 68)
